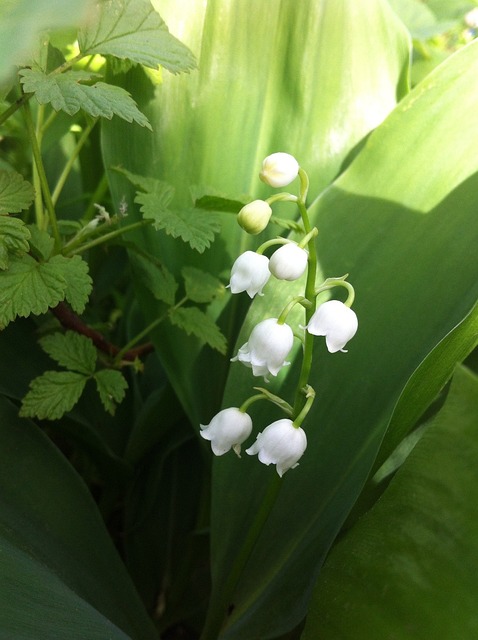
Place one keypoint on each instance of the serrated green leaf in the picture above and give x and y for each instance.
(78, 282)
(133, 29)
(16, 193)
(111, 386)
(195, 322)
(71, 350)
(201, 286)
(30, 287)
(41, 242)
(52, 394)
(14, 237)
(66, 93)
(162, 192)
(154, 275)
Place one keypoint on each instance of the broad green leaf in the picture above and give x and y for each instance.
(41, 243)
(400, 235)
(66, 93)
(59, 567)
(154, 276)
(201, 286)
(161, 191)
(78, 281)
(132, 29)
(316, 93)
(14, 237)
(111, 386)
(16, 193)
(71, 350)
(219, 203)
(30, 287)
(409, 567)
(52, 394)
(195, 322)
(21, 21)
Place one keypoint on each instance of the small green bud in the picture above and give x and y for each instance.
(254, 217)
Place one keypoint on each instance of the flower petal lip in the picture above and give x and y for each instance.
(289, 262)
(281, 443)
(227, 430)
(337, 322)
(279, 169)
(267, 348)
(250, 273)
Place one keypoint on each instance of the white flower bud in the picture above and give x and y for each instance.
(281, 444)
(227, 430)
(279, 169)
(254, 217)
(337, 322)
(250, 272)
(267, 348)
(289, 262)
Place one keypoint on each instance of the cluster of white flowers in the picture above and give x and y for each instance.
(283, 442)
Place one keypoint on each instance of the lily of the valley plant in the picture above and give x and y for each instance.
(284, 441)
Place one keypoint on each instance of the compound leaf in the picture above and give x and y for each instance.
(16, 193)
(66, 93)
(111, 386)
(201, 286)
(132, 29)
(195, 322)
(52, 394)
(71, 350)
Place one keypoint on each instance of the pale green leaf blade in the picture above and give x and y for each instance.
(211, 202)
(52, 394)
(409, 567)
(201, 286)
(16, 193)
(29, 287)
(132, 29)
(71, 350)
(14, 237)
(195, 322)
(79, 284)
(154, 276)
(111, 386)
(66, 93)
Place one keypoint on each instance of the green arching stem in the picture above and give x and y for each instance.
(42, 175)
(77, 247)
(330, 283)
(286, 310)
(310, 236)
(310, 397)
(270, 243)
(281, 197)
(247, 403)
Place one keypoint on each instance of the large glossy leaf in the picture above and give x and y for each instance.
(60, 575)
(402, 221)
(298, 77)
(409, 568)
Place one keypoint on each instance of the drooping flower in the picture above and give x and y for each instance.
(254, 217)
(267, 348)
(337, 322)
(281, 443)
(289, 262)
(250, 272)
(227, 430)
(279, 169)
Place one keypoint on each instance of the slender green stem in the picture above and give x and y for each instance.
(271, 243)
(330, 283)
(97, 196)
(78, 246)
(71, 161)
(14, 107)
(217, 616)
(42, 175)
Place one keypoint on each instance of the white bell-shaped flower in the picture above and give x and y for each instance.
(337, 322)
(281, 444)
(267, 348)
(279, 169)
(227, 430)
(289, 262)
(250, 272)
(254, 217)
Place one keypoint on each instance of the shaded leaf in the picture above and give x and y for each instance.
(71, 350)
(195, 322)
(154, 275)
(66, 93)
(16, 193)
(78, 281)
(52, 394)
(111, 386)
(14, 237)
(201, 286)
(133, 29)
(41, 242)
